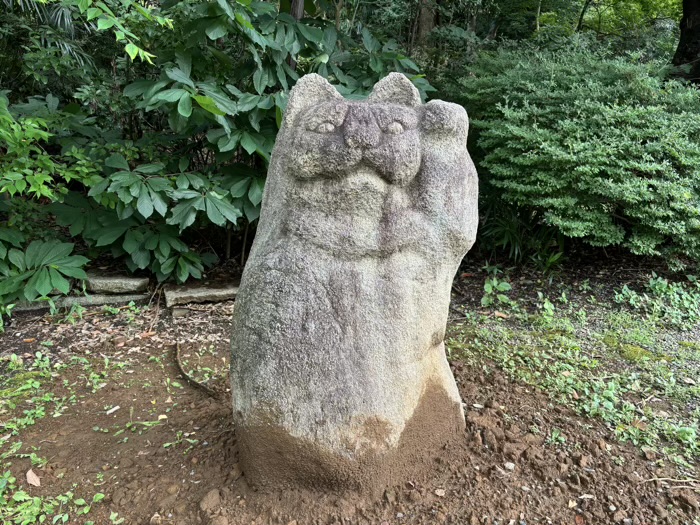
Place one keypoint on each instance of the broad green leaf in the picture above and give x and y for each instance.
(208, 104)
(141, 258)
(260, 80)
(184, 214)
(155, 167)
(178, 75)
(30, 292)
(227, 8)
(213, 212)
(184, 61)
(247, 102)
(184, 107)
(241, 187)
(93, 13)
(151, 242)
(144, 203)
(73, 261)
(255, 193)
(75, 273)
(182, 270)
(14, 237)
(267, 101)
(16, 257)
(43, 283)
(312, 34)
(132, 240)
(282, 77)
(137, 88)
(164, 247)
(169, 265)
(110, 234)
(53, 251)
(252, 212)
(159, 203)
(131, 50)
(168, 95)
(105, 23)
(59, 282)
(244, 21)
(12, 284)
(219, 211)
(117, 161)
(248, 142)
(371, 44)
(216, 30)
(229, 143)
(99, 188)
(31, 254)
(220, 99)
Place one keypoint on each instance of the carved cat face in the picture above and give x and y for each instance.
(364, 178)
(337, 137)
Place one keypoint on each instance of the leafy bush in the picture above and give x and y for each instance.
(603, 149)
(158, 162)
(35, 273)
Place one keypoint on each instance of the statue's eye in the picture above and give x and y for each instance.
(395, 128)
(325, 127)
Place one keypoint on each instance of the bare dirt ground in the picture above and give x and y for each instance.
(120, 420)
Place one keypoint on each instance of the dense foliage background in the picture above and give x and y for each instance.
(141, 131)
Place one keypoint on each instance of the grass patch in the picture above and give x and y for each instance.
(580, 371)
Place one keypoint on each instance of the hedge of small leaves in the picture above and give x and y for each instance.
(603, 149)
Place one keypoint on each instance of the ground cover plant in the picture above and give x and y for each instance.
(577, 403)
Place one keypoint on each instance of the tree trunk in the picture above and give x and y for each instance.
(339, 4)
(297, 11)
(426, 20)
(688, 51)
(584, 9)
(537, 15)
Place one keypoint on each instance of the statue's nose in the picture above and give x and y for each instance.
(361, 130)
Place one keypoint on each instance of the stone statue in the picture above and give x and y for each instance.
(339, 374)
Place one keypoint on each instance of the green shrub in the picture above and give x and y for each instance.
(160, 156)
(603, 149)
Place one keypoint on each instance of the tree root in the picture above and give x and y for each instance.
(192, 382)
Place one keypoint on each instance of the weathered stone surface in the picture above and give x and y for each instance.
(116, 284)
(87, 300)
(339, 374)
(198, 294)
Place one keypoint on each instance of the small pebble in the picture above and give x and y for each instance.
(509, 465)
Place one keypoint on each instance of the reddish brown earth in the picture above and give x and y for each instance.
(502, 472)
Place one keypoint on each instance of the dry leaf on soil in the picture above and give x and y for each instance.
(33, 479)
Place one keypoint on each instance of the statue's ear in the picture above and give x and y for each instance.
(310, 90)
(395, 88)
